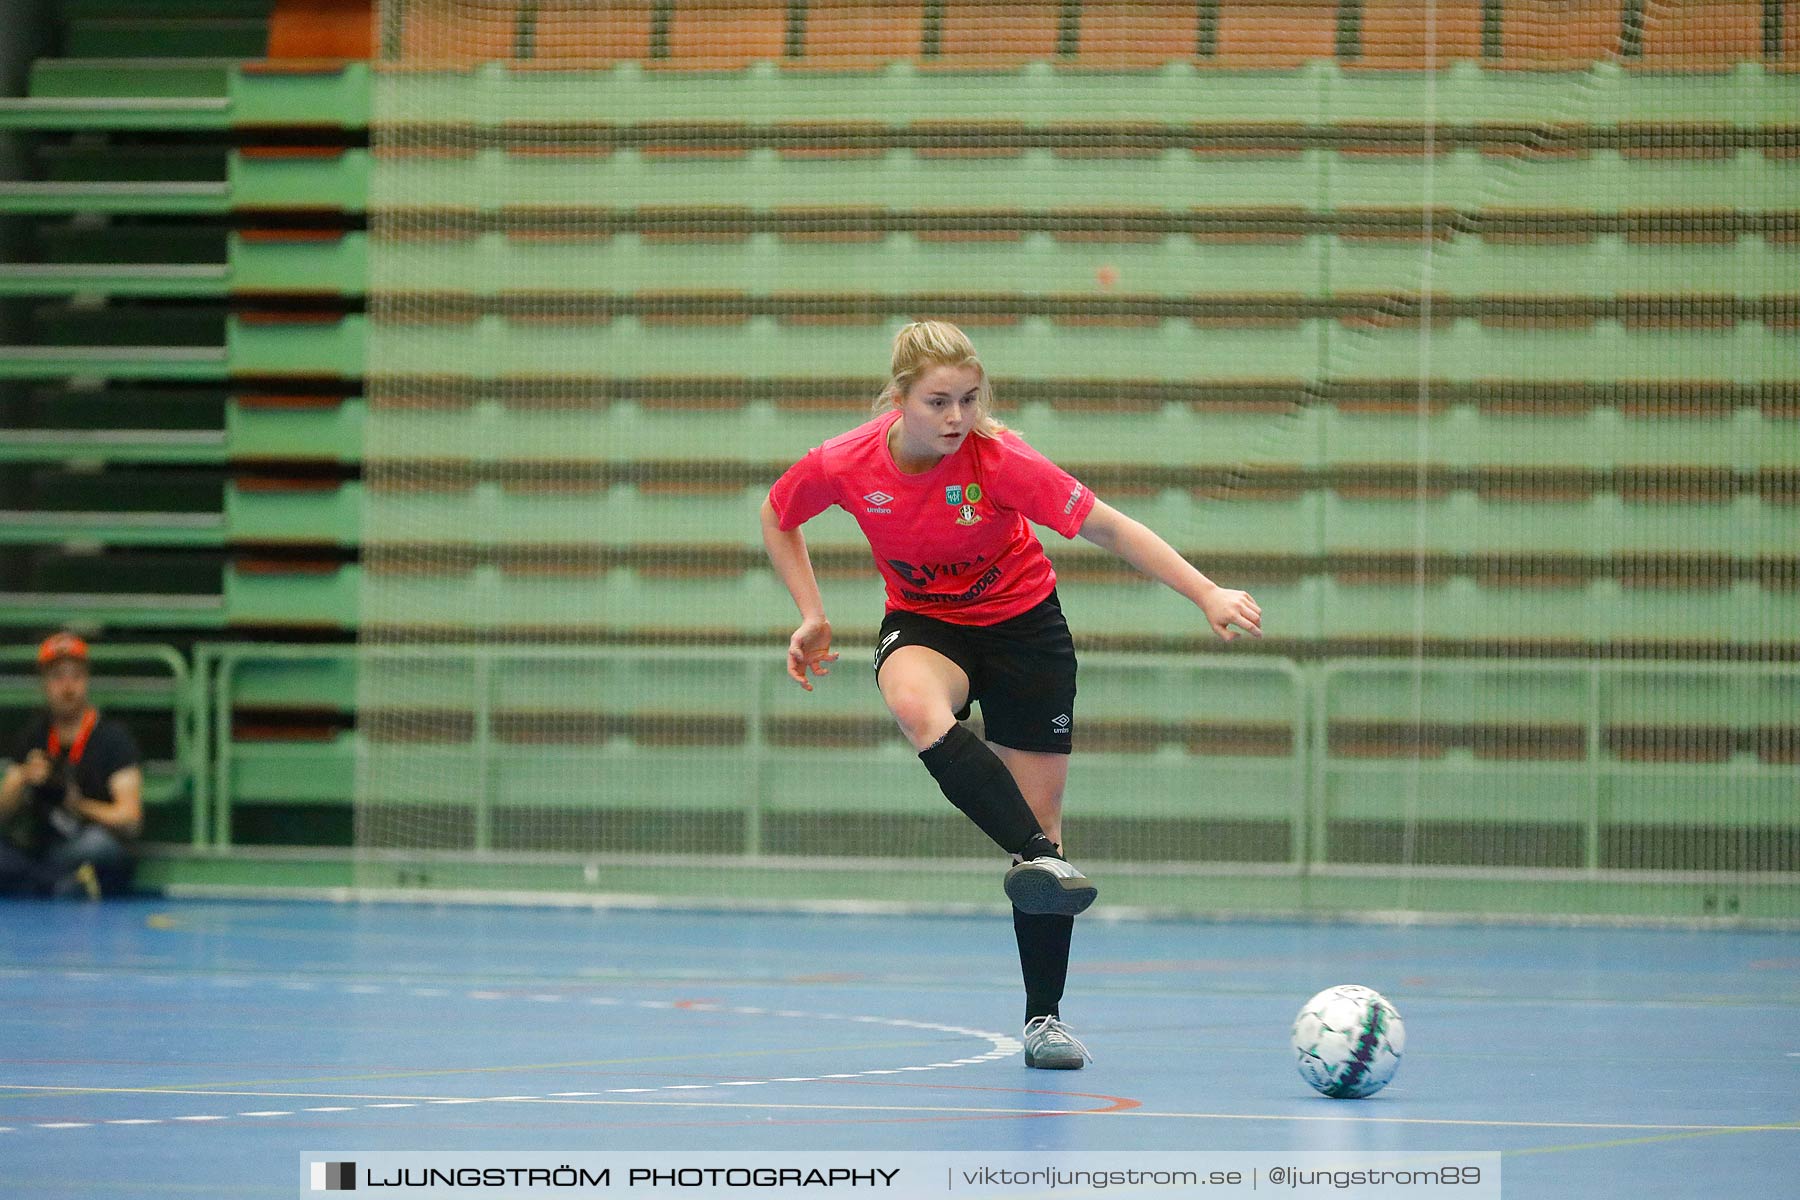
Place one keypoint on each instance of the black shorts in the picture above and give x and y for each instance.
(1021, 671)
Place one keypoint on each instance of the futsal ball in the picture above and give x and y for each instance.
(1348, 1041)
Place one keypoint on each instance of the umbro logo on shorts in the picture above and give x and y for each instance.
(1061, 721)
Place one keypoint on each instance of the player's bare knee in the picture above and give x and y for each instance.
(922, 717)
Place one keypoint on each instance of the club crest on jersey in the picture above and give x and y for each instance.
(953, 494)
(969, 515)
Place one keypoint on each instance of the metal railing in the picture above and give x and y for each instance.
(1591, 675)
(753, 667)
(202, 700)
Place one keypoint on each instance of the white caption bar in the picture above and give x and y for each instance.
(903, 1175)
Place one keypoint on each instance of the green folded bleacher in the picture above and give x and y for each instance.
(618, 297)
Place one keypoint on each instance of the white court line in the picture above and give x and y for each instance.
(1004, 1044)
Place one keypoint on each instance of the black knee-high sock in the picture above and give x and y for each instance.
(1043, 959)
(974, 779)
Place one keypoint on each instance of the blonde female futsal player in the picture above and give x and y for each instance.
(972, 615)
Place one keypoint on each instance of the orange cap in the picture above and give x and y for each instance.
(61, 645)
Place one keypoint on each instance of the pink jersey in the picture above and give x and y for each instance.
(952, 542)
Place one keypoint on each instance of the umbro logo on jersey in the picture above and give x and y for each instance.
(878, 502)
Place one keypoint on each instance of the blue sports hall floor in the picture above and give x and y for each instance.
(158, 1048)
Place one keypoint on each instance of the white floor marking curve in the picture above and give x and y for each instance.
(1004, 1046)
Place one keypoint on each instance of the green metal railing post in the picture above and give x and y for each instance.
(1595, 776)
(756, 747)
(222, 749)
(484, 749)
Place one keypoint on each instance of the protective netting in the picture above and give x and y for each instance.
(1463, 334)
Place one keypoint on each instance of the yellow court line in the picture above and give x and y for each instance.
(139, 1188)
(1142, 1112)
(1667, 1137)
(1668, 1132)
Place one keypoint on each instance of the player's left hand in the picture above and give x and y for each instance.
(1225, 607)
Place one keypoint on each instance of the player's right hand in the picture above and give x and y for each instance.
(810, 649)
(37, 768)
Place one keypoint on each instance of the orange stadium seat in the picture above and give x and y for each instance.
(1132, 34)
(1276, 33)
(1560, 34)
(1700, 34)
(999, 34)
(322, 29)
(570, 33)
(712, 35)
(842, 34)
(460, 33)
(1407, 35)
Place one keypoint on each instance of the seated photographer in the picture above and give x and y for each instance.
(71, 800)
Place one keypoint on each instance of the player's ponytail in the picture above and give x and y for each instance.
(922, 345)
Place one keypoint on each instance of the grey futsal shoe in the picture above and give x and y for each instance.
(1049, 885)
(1050, 1046)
